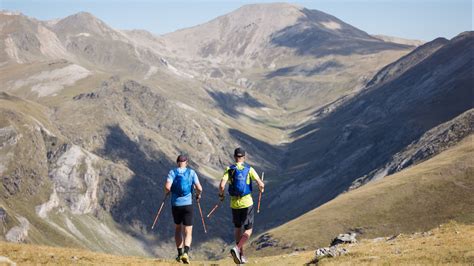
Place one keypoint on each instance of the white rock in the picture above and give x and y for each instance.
(18, 234)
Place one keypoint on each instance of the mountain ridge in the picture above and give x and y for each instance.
(120, 105)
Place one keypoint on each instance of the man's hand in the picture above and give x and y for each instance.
(221, 196)
(198, 196)
(261, 186)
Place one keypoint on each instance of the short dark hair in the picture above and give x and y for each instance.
(181, 158)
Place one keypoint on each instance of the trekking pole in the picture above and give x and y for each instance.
(213, 209)
(260, 195)
(202, 218)
(159, 211)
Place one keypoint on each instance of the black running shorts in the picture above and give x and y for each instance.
(183, 214)
(243, 217)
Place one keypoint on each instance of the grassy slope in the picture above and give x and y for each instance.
(449, 243)
(416, 199)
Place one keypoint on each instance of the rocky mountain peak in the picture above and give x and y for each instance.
(82, 23)
(262, 30)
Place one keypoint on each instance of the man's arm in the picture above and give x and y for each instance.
(197, 186)
(222, 186)
(168, 186)
(254, 176)
(169, 182)
(224, 179)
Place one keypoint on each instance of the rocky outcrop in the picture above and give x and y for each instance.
(53, 202)
(19, 233)
(431, 143)
(330, 252)
(3, 220)
(264, 241)
(334, 250)
(75, 180)
(344, 239)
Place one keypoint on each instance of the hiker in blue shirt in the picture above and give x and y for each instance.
(181, 182)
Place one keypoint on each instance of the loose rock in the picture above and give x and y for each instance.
(344, 238)
(330, 252)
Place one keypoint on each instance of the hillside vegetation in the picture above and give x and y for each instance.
(448, 243)
(416, 199)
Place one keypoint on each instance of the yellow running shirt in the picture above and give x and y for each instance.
(245, 201)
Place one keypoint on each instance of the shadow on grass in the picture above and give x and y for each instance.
(229, 102)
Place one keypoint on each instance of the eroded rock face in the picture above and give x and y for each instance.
(75, 182)
(3, 219)
(18, 234)
(8, 136)
(43, 209)
(82, 181)
(8, 139)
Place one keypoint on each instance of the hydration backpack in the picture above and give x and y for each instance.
(238, 181)
(182, 183)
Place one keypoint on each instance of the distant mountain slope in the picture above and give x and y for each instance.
(359, 137)
(52, 189)
(416, 199)
(284, 82)
(398, 40)
(252, 31)
(25, 40)
(398, 67)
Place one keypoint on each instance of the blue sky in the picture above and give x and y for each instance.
(414, 19)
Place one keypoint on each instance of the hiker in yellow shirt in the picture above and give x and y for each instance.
(240, 176)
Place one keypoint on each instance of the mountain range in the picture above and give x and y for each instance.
(92, 118)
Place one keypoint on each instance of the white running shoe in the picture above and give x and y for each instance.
(235, 252)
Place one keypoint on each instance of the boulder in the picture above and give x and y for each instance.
(3, 215)
(6, 261)
(344, 238)
(330, 252)
(18, 234)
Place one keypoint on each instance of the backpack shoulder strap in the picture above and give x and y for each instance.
(187, 174)
(246, 169)
(231, 172)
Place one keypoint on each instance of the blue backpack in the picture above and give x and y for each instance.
(238, 186)
(182, 183)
